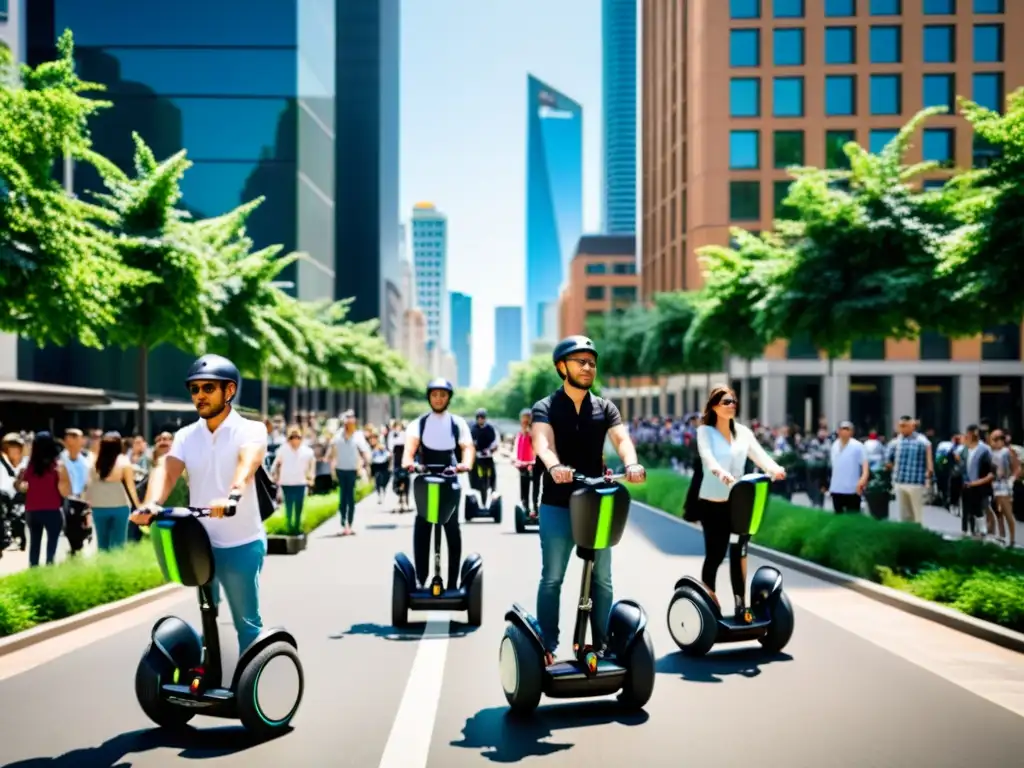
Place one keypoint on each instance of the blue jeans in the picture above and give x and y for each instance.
(237, 569)
(111, 525)
(556, 547)
(50, 521)
(346, 495)
(294, 500)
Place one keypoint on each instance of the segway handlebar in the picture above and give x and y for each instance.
(438, 470)
(608, 477)
(229, 510)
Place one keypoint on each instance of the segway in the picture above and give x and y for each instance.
(400, 485)
(524, 517)
(598, 514)
(436, 501)
(180, 673)
(695, 618)
(481, 501)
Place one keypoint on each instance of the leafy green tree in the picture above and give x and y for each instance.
(667, 322)
(620, 339)
(60, 271)
(528, 382)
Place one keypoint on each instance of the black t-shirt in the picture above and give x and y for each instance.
(483, 437)
(579, 438)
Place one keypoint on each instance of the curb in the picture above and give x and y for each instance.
(53, 629)
(940, 614)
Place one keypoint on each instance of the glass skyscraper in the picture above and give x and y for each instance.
(554, 198)
(508, 341)
(430, 260)
(462, 335)
(618, 65)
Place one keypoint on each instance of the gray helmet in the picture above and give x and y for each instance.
(525, 412)
(481, 412)
(440, 383)
(571, 344)
(215, 368)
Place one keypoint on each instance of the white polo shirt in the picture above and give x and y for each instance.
(211, 459)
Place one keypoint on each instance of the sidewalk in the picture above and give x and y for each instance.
(14, 561)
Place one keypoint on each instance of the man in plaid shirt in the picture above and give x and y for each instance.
(910, 458)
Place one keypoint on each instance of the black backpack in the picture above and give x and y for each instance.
(455, 434)
(266, 493)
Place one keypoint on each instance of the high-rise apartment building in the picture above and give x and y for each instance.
(508, 341)
(554, 197)
(618, 93)
(430, 257)
(602, 279)
(735, 92)
(461, 343)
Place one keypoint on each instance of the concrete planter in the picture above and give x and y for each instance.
(286, 545)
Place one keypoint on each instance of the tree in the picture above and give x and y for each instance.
(620, 338)
(60, 272)
(668, 319)
(530, 381)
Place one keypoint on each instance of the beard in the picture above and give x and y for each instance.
(214, 411)
(574, 382)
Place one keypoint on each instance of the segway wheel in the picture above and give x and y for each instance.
(691, 622)
(399, 602)
(522, 669)
(520, 520)
(147, 691)
(475, 598)
(639, 683)
(781, 628)
(496, 512)
(270, 689)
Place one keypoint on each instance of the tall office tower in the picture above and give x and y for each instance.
(618, 93)
(430, 257)
(508, 341)
(554, 197)
(461, 343)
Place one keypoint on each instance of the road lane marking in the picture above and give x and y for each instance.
(408, 744)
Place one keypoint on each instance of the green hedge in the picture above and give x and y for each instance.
(317, 511)
(982, 580)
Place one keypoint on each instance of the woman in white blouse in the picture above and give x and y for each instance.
(724, 447)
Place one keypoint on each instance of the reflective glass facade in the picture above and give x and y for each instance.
(462, 334)
(554, 198)
(430, 260)
(618, 59)
(508, 341)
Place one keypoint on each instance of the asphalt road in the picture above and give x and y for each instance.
(375, 697)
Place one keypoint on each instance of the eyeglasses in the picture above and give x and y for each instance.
(727, 401)
(208, 388)
(582, 362)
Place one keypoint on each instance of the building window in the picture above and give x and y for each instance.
(983, 154)
(745, 9)
(879, 138)
(934, 346)
(938, 145)
(745, 97)
(781, 191)
(987, 89)
(743, 150)
(788, 97)
(886, 7)
(939, 7)
(788, 9)
(835, 157)
(624, 269)
(800, 347)
(988, 43)
(595, 292)
(624, 294)
(939, 44)
(789, 148)
(840, 45)
(840, 8)
(788, 46)
(598, 268)
(1001, 343)
(885, 45)
(744, 48)
(939, 91)
(885, 95)
(868, 349)
(745, 200)
(840, 95)
(989, 6)
(930, 185)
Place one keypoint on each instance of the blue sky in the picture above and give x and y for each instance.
(463, 134)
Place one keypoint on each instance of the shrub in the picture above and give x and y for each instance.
(317, 511)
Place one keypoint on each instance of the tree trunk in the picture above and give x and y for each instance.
(142, 388)
(265, 395)
(833, 388)
(750, 391)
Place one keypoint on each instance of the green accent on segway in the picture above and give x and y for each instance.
(163, 542)
(433, 502)
(256, 701)
(760, 504)
(605, 515)
(177, 676)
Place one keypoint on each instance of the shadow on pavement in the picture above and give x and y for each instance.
(415, 631)
(381, 527)
(746, 662)
(503, 737)
(194, 743)
(667, 536)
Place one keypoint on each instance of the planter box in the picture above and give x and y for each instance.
(286, 545)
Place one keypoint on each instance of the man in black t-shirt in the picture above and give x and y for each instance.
(569, 430)
(486, 441)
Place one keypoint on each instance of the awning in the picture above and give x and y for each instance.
(39, 393)
(153, 406)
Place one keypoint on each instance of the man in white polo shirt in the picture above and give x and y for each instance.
(849, 471)
(221, 453)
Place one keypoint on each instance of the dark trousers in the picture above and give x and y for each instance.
(423, 554)
(346, 495)
(526, 479)
(49, 521)
(975, 502)
(846, 502)
(717, 530)
(76, 527)
(487, 465)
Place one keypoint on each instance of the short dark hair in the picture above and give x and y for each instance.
(906, 418)
(971, 428)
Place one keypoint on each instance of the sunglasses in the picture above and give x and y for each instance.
(583, 363)
(727, 401)
(208, 388)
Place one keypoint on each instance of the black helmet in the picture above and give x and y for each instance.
(481, 412)
(571, 344)
(440, 383)
(215, 368)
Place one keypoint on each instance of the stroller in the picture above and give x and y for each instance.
(400, 485)
(12, 522)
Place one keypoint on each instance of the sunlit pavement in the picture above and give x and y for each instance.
(861, 684)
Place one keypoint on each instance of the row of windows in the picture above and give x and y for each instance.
(795, 9)
(601, 268)
(619, 293)
(885, 94)
(886, 45)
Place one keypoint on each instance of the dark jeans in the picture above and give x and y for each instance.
(974, 503)
(346, 495)
(846, 502)
(717, 531)
(423, 555)
(484, 466)
(51, 521)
